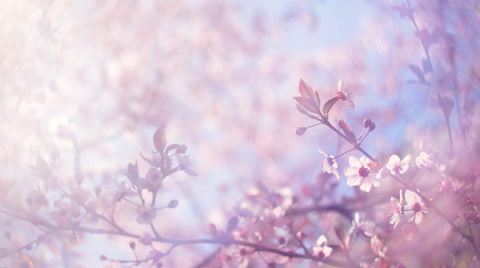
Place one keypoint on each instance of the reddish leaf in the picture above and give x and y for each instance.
(148, 160)
(307, 104)
(301, 109)
(372, 165)
(182, 148)
(305, 90)
(171, 147)
(328, 105)
(159, 140)
(343, 125)
(317, 98)
(346, 130)
(132, 173)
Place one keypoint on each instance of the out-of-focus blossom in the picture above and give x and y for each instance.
(145, 215)
(359, 173)
(284, 199)
(377, 263)
(236, 256)
(397, 166)
(321, 249)
(377, 246)
(366, 228)
(345, 93)
(395, 209)
(329, 164)
(428, 157)
(415, 206)
(146, 239)
(124, 189)
(37, 200)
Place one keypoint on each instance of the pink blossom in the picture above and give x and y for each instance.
(359, 173)
(321, 249)
(329, 164)
(145, 215)
(362, 227)
(377, 246)
(415, 206)
(397, 166)
(146, 239)
(345, 93)
(395, 210)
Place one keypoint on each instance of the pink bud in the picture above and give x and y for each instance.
(367, 123)
(173, 204)
(300, 131)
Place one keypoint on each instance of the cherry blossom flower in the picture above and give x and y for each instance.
(124, 189)
(284, 200)
(345, 93)
(362, 227)
(236, 256)
(321, 249)
(428, 157)
(395, 210)
(415, 206)
(146, 239)
(359, 173)
(145, 215)
(427, 160)
(377, 246)
(329, 164)
(397, 166)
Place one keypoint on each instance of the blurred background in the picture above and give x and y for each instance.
(84, 85)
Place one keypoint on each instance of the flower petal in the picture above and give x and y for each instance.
(354, 180)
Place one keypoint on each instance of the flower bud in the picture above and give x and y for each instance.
(172, 204)
(367, 123)
(300, 131)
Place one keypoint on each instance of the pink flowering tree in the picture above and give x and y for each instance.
(148, 134)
